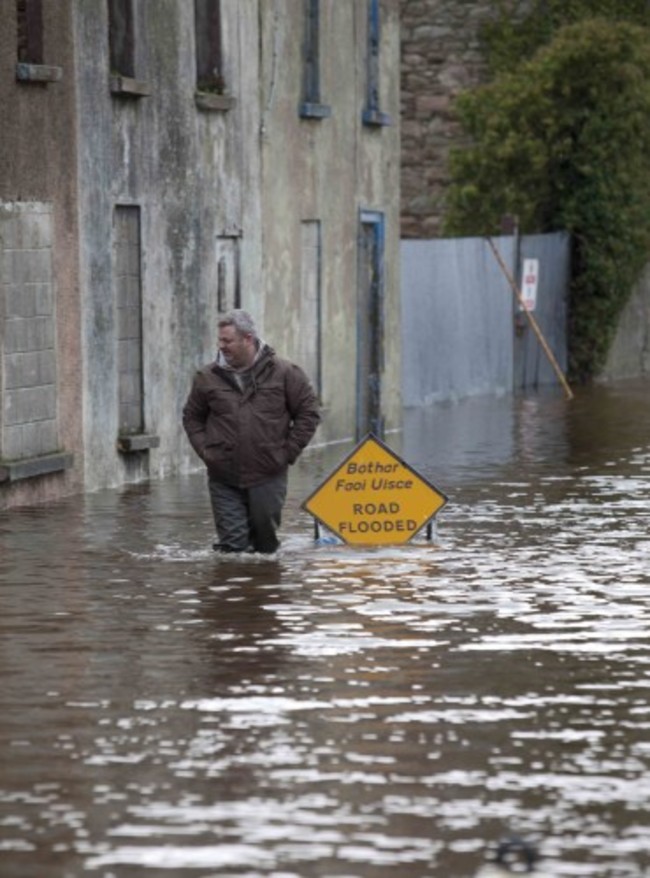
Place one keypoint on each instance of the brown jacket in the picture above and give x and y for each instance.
(245, 437)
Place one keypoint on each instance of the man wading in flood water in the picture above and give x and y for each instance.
(248, 416)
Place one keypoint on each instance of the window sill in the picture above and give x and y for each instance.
(374, 118)
(132, 443)
(309, 110)
(31, 467)
(128, 87)
(213, 103)
(39, 73)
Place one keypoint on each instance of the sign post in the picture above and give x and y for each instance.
(531, 319)
(374, 498)
(530, 279)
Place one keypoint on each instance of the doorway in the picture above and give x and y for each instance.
(370, 324)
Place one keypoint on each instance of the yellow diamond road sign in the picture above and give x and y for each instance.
(375, 498)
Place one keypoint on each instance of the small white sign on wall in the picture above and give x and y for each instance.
(529, 281)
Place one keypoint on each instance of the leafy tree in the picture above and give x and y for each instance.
(562, 141)
(521, 27)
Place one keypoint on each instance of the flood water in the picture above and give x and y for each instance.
(340, 711)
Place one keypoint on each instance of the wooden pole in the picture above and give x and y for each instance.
(531, 319)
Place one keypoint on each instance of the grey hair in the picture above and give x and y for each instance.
(241, 320)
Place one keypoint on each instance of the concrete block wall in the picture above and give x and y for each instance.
(29, 414)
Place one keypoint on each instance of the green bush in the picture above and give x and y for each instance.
(563, 142)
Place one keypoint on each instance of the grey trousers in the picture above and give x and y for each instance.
(248, 518)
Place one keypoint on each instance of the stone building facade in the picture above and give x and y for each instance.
(161, 163)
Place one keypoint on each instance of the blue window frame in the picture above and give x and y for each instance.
(370, 324)
(372, 113)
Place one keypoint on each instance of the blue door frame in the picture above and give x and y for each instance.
(370, 324)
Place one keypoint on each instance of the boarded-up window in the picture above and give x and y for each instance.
(28, 361)
(29, 28)
(208, 36)
(128, 291)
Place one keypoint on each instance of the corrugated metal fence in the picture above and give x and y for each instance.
(463, 333)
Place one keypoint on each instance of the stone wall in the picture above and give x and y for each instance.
(441, 56)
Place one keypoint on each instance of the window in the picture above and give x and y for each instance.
(209, 62)
(29, 21)
(29, 44)
(122, 42)
(211, 87)
(121, 38)
(311, 106)
(372, 114)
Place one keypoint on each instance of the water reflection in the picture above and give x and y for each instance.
(337, 711)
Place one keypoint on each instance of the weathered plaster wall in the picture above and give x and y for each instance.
(37, 166)
(194, 175)
(251, 175)
(329, 170)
